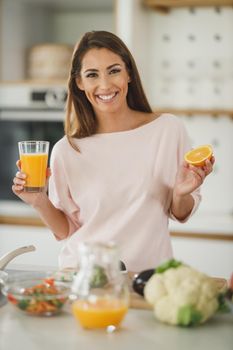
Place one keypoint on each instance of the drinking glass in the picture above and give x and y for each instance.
(34, 160)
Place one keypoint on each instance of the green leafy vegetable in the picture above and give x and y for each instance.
(172, 263)
(23, 304)
(188, 316)
(222, 304)
(99, 278)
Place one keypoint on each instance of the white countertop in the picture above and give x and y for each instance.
(139, 331)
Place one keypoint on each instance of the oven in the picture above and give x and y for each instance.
(26, 113)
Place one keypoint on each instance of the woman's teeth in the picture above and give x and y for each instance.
(107, 97)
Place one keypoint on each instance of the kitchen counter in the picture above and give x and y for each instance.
(139, 331)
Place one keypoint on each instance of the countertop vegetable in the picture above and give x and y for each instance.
(182, 295)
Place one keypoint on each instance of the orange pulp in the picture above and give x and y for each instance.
(34, 166)
(101, 314)
(199, 155)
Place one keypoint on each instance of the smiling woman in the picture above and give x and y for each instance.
(118, 174)
(103, 69)
(105, 86)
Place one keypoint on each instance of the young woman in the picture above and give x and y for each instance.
(118, 174)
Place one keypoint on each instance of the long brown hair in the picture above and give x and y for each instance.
(81, 120)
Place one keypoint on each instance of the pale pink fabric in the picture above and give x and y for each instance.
(119, 188)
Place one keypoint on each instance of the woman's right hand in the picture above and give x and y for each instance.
(19, 181)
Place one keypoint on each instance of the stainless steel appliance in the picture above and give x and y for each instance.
(27, 112)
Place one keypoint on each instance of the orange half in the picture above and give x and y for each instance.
(199, 155)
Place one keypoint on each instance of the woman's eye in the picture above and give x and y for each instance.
(114, 71)
(91, 75)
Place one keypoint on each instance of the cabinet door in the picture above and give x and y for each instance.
(47, 248)
(213, 257)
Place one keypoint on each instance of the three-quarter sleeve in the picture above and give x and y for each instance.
(184, 145)
(59, 192)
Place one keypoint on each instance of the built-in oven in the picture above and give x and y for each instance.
(26, 113)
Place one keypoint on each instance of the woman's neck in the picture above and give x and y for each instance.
(124, 121)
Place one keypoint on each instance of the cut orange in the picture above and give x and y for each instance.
(199, 155)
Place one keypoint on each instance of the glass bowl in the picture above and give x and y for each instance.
(36, 294)
(3, 277)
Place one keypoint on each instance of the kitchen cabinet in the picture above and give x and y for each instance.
(47, 248)
(212, 256)
(167, 4)
(26, 23)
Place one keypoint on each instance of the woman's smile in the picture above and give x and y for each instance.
(106, 98)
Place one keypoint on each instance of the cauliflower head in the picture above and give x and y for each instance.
(181, 295)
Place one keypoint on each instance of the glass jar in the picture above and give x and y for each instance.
(100, 290)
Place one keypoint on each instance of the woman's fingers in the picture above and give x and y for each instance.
(19, 177)
(208, 167)
(48, 173)
(19, 181)
(198, 172)
(205, 170)
(18, 164)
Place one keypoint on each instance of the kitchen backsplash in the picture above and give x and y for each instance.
(192, 54)
(190, 66)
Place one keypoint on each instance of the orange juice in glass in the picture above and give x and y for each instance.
(34, 160)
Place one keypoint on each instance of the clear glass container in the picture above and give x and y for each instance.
(100, 292)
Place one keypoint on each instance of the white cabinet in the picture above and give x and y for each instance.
(213, 257)
(47, 248)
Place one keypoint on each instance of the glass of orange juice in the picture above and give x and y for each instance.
(34, 160)
(100, 295)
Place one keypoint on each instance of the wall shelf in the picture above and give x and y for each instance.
(165, 5)
(193, 111)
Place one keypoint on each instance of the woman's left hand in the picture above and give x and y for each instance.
(189, 177)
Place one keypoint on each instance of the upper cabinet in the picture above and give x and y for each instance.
(184, 55)
(167, 4)
(26, 23)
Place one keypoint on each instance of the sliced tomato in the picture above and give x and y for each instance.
(12, 299)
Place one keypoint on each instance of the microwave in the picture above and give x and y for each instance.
(30, 113)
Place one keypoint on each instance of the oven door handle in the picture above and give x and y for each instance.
(32, 115)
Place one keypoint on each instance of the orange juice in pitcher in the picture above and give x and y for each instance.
(99, 291)
(100, 314)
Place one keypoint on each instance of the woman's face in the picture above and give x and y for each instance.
(104, 79)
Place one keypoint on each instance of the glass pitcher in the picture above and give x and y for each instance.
(100, 292)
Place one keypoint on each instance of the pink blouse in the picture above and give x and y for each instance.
(119, 188)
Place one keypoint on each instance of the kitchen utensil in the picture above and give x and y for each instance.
(99, 290)
(49, 61)
(5, 259)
